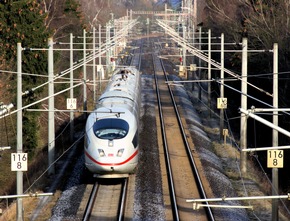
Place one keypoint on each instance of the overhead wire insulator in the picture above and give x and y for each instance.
(5, 109)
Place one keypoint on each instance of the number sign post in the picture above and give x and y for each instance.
(275, 158)
(222, 103)
(19, 162)
(71, 103)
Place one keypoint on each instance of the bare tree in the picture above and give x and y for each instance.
(225, 16)
(98, 11)
(92, 11)
(265, 21)
(61, 15)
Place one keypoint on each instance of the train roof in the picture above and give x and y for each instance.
(123, 84)
(117, 94)
(114, 112)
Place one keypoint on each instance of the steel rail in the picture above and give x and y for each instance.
(136, 59)
(91, 202)
(123, 200)
(188, 150)
(166, 151)
(93, 196)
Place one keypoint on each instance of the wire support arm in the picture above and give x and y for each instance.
(200, 54)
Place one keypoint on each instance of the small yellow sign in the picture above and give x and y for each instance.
(275, 158)
(222, 103)
(192, 67)
(182, 71)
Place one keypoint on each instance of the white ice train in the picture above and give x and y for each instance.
(111, 139)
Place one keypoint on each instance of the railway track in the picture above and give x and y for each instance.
(107, 200)
(183, 175)
(136, 59)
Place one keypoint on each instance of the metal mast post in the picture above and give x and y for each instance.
(199, 63)
(85, 73)
(209, 72)
(222, 87)
(100, 57)
(94, 63)
(275, 132)
(71, 86)
(51, 128)
(19, 174)
(243, 126)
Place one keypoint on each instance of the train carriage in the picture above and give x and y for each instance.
(111, 139)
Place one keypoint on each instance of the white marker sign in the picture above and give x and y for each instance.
(71, 103)
(19, 162)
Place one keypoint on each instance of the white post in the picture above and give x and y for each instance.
(71, 85)
(19, 174)
(222, 87)
(184, 48)
(199, 63)
(209, 71)
(243, 120)
(193, 57)
(51, 128)
(275, 187)
(94, 63)
(100, 58)
(195, 12)
(108, 43)
(85, 73)
(113, 53)
(100, 42)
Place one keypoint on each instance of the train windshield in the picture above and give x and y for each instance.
(111, 128)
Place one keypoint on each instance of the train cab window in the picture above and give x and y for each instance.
(110, 129)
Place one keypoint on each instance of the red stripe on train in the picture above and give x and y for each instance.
(112, 164)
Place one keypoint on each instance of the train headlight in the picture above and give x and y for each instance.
(101, 153)
(111, 143)
(120, 152)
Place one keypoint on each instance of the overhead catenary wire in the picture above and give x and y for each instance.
(43, 99)
(92, 56)
(255, 157)
(58, 76)
(270, 105)
(101, 50)
(256, 99)
(200, 54)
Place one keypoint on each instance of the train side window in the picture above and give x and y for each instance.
(135, 140)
